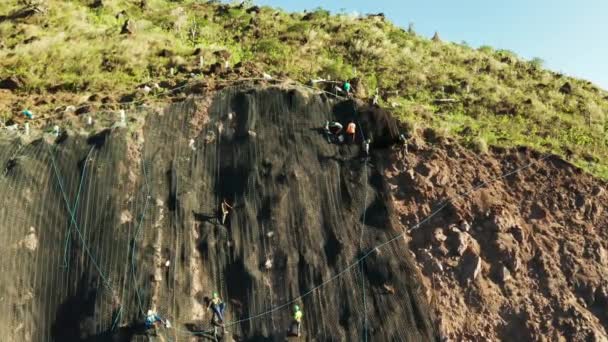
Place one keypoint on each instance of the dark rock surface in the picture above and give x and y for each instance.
(145, 233)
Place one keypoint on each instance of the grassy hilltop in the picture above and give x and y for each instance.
(55, 53)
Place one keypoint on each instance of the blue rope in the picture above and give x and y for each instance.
(74, 210)
(137, 230)
(117, 319)
(73, 220)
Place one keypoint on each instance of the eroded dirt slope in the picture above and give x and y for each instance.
(523, 258)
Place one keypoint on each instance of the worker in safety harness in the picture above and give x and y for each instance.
(350, 130)
(153, 319)
(296, 326)
(347, 88)
(218, 307)
(333, 130)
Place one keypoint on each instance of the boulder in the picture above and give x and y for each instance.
(457, 241)
(253, 9)
(438, 236)
(128, 27)
(97, 4)
(11, 83)
(470, 266)
(83, 109)
(566, 88)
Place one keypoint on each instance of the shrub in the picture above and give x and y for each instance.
(537, 63)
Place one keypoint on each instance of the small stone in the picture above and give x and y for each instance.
(439, 236)
(30, 242)
(145, 90)
(389, 288)
(505, 275)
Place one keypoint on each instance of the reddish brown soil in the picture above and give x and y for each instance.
(523, 258)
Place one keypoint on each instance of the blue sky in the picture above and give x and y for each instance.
(571, 36)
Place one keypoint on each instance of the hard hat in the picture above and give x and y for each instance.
(296, 307)
(215, 295)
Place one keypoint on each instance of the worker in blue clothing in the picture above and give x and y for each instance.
(153, 319)
(218, 307)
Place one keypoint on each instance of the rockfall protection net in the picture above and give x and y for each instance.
(100, 230)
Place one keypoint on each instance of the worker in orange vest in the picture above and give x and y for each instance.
(350, 130)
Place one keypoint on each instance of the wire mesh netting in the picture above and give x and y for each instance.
(99, 230)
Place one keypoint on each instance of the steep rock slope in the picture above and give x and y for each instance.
(99, 230)
(522, 257)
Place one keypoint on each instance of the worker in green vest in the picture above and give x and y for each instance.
(347, 88)
(297, 321)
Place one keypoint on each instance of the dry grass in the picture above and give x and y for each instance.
(501, 98)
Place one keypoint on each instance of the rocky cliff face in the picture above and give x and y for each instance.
(98, 230)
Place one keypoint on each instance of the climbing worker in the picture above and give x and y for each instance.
(347, 88)
(296, 326)
(218, 308)
(334, 127)
(225, 207)
(152, 319)
(333, 131)
(350, 130)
